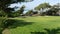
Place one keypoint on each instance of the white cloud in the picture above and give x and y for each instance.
(31, 5)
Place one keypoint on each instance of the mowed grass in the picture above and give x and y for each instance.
(38, 24)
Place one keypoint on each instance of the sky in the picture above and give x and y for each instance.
(33, 4)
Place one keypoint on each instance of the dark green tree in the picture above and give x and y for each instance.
(4, 7)
(30, 12)
(53, 11)
(5, 3)
(21, 9)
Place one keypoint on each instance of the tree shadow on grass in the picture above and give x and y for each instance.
(11, 23)
(53, 31)
(37, 32)
(48, 31)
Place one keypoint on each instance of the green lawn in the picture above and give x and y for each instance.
(36, 24)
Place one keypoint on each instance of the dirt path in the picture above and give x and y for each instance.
(6, 31)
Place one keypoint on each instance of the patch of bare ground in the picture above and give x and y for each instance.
(6, 31)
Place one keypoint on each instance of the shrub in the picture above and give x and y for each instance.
(2, 20)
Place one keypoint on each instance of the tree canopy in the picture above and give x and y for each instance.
(43, 5)
(5, 3)
(29, 12)
(4, 21)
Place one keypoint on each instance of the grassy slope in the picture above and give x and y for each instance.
(39, 23)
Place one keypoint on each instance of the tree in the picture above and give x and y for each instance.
(21, 9)
(17, 13)
(53, 11)
(4, 7)
(5, 3)
(44, 5)
(30, 12)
